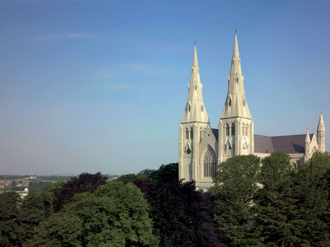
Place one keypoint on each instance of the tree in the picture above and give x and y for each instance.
(37, 207)
(275, 203)
(85, 182)
(114, 215)
(292, 204)
(312, 191)
(131, 177)
(234, 186)
(168, 173)
(182, 215)
(9, 212)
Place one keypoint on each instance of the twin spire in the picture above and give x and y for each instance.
(195, 110)
(235, 105)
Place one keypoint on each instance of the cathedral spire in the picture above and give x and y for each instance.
(307, 139)
(321, 134)
(195, 62)
(195, 110)
(321, 124)
(235, 104)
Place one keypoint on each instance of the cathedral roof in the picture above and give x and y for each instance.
(215, 133)
(287, 144)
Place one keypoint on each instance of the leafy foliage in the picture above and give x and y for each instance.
(37, 207)
(131, 177)
(85, 182)
(235, 184)
(276, 204)
(9, 212)
(168, 173)
(114, 215)
(182, 215)
(312, 192)
(38, 186)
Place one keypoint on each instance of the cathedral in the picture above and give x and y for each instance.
(202, 148)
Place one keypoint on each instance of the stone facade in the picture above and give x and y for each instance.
(202, 148)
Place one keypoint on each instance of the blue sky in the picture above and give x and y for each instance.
(89, 86)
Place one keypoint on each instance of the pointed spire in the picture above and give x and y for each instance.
(236, 50)
(321, 124)
(235, 103)
(195, 108)
(307, 139)
(195, 62)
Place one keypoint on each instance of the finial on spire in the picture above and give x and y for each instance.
(321, 109)
(235, 30)
(194, 42)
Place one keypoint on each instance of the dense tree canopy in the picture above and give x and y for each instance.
(235, 184)
(275, 203)
(9, 212)
(168, 173)
(253, 202)
(114, 215)
(182, 215)
(83, 183)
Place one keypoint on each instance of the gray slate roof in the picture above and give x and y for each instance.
(287, 144)
(268, 144)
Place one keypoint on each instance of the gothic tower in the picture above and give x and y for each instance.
(236, 128)
(321, 134)
(193, 126)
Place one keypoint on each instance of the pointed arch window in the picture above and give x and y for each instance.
(191, 133)
(227, 129)
(187, 134)
(233, 129)
(210, 165)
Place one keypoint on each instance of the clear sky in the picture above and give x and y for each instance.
(89, 86)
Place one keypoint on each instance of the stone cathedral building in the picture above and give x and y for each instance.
(201, 148)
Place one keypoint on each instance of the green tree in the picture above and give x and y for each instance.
(37, 207)
(83, 183)
(234, 186)
(9, 212)
(114, 215)
(168, 173)
(276, 204)
(131, 177)
(183, 216)
(313, 205)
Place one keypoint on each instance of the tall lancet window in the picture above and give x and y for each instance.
(187, 134)
(233, 129)
(191, 133)
(210, 165)
(227, 129)
(243, 130)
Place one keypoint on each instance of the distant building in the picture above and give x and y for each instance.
(23, 193)
(202, 148)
